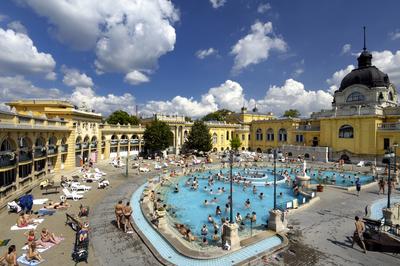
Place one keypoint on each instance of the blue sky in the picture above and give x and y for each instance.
(278, 54)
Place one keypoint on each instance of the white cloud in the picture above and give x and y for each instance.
(135, 77)
(3, 17)
(102, 104)
(255, 47)
(228, 95)
(394, 35)
(217, 3)
(346, 49)
(73, 78)
(297, 72)
(293, 95)
(17, 87)
(17, 26)
(18, 55)
(125, 35)
(201, 54)
(262, 8)
(337, 77)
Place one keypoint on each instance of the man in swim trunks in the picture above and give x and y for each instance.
(358, 233)
(119, 213)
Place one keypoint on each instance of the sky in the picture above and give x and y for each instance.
(191, 57)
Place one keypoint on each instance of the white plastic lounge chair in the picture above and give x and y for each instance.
(97, 170)
(76, 186)
(144, 169)
(72, 195)
(361, 164)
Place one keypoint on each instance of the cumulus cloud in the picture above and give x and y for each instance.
(337, 77)
(346, 49)
(262, 8)
(256, 46)
(17, 26)
(102, 104)
(73, 78)
(394, 35)
(19, 56)
(227, 95)
(201, 54)
(135, 77)
(217, 3)
(125, 35)
(293, 95)
(17, 87)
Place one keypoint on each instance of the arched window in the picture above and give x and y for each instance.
(52, 141)
(6, 145)
(270, 134)
(346, 132)
(282, 135)
(40, 142)
(215, 138)
(227, 135)
(355, 97)
(259, 135)
(390, 96)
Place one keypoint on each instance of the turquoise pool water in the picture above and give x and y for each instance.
(170, 254)
(378, 205)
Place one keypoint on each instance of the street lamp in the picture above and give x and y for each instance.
(387, 158)
(230, 174)
(275, 154)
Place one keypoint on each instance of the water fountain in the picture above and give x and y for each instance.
(303, 178)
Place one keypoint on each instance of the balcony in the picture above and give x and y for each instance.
(134, 141)
(93, 145)
(308, 128)
(52, 149)
(64, 147)
(114, 142)
(85, 145)
(40, 152)
(25, 156)
(78, 146)
(389, 126)
(7, 159)
(124, 142)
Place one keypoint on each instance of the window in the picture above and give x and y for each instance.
(215, 138)
(243, 137)
(259, 135)
(249, 136)
(355, 97)
(227, 135)
(222, 139)
(270, 134)
(386, 143)
(346, 132)
(282, 135)
(390, 96)
(299, 138)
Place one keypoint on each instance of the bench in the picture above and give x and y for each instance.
(73, 221)
(50, 189)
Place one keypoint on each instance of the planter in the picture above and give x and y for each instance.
(320, 188)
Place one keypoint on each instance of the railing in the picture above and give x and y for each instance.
(389, 126)
(7, 160)
(308, 128)
(25, 156)
(93, 145)
(85, 145)
(52, 149)
(134, 141)
(113, 142)
(124, 141)
(40, 152)
(78, 146)
(64, 148)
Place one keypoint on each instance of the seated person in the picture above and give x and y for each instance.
(46, 236)
(215, 237)
(189, 236)
(33, 254)
(83, 233)
(25, 220)
(181, 228)
(205, 241)
(10, 258)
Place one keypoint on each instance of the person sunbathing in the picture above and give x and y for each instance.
(33, 254)
(10, 257)
(83, 233)
(62, 205)
(46, 236)
(32, 238)
(181, 228)
(25, 220)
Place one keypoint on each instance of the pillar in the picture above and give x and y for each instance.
(231, 235)
(17, 169)
(275, 221)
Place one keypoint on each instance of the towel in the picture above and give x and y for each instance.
(4, 242)
(22, 260)
(29, 227)
(39, 201)
(47, 245)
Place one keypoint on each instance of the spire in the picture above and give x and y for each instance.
(365, 46)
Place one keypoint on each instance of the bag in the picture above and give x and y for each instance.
(80, 255)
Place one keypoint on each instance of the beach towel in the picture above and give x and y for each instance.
(39, 201)
(29, 227)
(44, 211)
(4, 242)
(46, 246)
(22, 260)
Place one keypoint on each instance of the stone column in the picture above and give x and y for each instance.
(275, 221)
(231, 235)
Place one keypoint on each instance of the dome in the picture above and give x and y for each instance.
(365, 74)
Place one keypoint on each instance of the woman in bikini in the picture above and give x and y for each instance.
(119, 213)
(10, 258)
(33, 254)
(46, 236)
(127, 211)
(24, 220)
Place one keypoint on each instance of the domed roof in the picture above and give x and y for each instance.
(369, 76)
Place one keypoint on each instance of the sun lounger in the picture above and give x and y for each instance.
(73, 221)
(75, 186)
(13, 207)
(144, 169)
(72, 195)
(97, 170)
(360, 164)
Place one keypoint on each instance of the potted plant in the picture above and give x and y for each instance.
(321, 181)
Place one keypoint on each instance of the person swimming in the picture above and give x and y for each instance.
(218, 211)
(210, 219)
(261, 196)
(206, 202)
(247, 204)
(214, 199)
(176, 189)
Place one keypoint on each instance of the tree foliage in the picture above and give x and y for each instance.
(157, 136)
(199, 138)
(219, 115)
(235, 143)
(123, 118)
(291, 113)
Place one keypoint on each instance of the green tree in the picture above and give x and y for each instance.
(199, 138)
(291, 113)
(122, 118)
(157, 136)
(235, 143)
(219, 115)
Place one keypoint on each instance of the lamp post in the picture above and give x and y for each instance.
(127, 162)
(230, 175)
(275, 179)
(388, 160)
